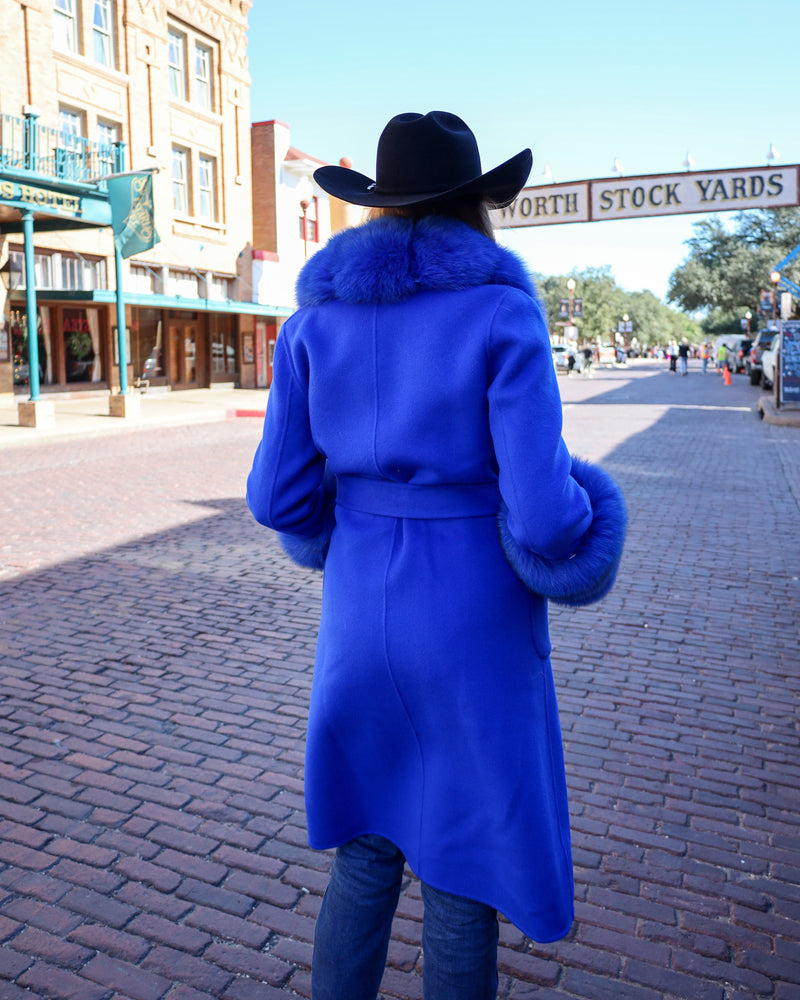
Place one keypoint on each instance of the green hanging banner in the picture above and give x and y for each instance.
(131, 199)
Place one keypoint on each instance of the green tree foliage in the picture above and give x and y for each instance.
(725, 270)
(604, 305)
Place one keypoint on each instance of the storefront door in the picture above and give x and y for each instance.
(182, 354)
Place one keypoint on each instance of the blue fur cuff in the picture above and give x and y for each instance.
(308, 550)
(589, 574)
(311, 550)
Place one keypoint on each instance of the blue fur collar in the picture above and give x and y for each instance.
(390, 259)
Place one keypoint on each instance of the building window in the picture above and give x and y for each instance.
(202, 77)
(81, 275)
(70, 124)
(141, 280)
(107, 136)
(70, 149)
(219, 288)
(176, 59)
(103, 31)
(183, 283)
(207, 188)
(180, 181)
(42, 266)
(65, 18)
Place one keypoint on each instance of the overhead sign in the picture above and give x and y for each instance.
(734, 190)
(545, 206)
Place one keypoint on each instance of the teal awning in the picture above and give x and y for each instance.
(152, 301)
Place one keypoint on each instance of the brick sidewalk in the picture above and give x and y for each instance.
(157, 649)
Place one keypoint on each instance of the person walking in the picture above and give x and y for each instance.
(722, 357)
(672, 353)
(704, 356)
(683, 354)
(412, 448)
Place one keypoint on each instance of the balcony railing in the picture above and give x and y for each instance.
(27, 145)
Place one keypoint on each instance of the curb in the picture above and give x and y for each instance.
(768, 412)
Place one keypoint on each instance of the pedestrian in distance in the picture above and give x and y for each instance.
(683, 354)
(412, 450)
(704, 356)
(587, 362)
(722, 357)
(672, 354)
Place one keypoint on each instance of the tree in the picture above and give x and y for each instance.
(726, 270)
(604, 305)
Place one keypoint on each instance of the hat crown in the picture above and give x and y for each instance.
(420, 154)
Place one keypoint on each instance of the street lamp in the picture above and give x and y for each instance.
(571, 290)
(305, 192)
(11, 275)
(748, 316)
(775, 277)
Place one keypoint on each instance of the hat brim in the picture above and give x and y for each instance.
(499, 186)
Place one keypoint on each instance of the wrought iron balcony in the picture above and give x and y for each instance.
(28, 147)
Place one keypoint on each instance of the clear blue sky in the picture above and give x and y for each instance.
(581, 83)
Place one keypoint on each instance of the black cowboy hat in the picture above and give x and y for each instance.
(426, 157)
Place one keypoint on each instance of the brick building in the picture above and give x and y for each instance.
(110, 86)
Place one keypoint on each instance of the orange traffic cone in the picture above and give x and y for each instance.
(726, 375)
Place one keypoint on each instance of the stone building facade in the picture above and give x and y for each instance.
(119, 85)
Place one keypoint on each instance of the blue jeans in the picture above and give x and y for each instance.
(351, 940)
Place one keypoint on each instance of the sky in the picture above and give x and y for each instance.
(581, 83)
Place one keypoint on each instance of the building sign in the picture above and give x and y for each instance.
(28, 196)
(653, 194)
(680, 194)
(545, 206)
(790, 362)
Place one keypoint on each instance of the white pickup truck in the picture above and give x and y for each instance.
(769, 360)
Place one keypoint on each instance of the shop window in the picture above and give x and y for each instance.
(65, 25)
(203, 94)
(103, 33)
(180, 181)
(223, 352)
(19, 347)
(176, 60)
(207, 187)
(147, 352)
(81, 335)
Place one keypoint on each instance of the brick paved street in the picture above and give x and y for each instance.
(156, 655)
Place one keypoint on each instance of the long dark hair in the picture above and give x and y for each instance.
(474, 211)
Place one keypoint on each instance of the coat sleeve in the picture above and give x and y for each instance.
(562, 520)
(548, 511)
(289, 488)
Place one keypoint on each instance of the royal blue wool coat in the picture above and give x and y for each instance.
(412, 446)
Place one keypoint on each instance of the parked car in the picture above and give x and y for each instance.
(769, 363)
(561, 357)
(607, 354)
(762, 341)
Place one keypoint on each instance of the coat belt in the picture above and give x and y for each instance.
(391, 499)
